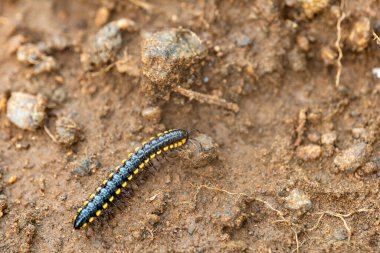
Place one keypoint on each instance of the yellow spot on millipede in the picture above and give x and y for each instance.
(80, 210)
(123, 161)
(159, 134)
(159, 152)
(105, 206)
(105, 182)
(92, 196)
(98, 212)
(144, 143)
(137, 149)
(118, 191)
(166, 148)
(183, 141)
(84, 225)
(130, 155)
(117, 168)
(166, 132)
(152, 156)
(171, 146)
(179, 144)
(110, 175)
(124, 184)
(75, 217)
(151, 138)
(91, 219)
(85, 203)
(175, 144)
(141, 166)
(147, 160)
(136, 171)
(111, 199)
(98, 189)
(130, 178)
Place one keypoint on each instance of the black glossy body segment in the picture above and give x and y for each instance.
(136, 162)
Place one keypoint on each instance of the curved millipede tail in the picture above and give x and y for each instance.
(136, 162)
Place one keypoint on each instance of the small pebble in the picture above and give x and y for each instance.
(106, 44)
(359, 133)
(303, 43)
(328, 138)
(12, 179)
(376, 72)
(191, 228)
(352, 158)
(311, 7)
(243, 41)
(309, 152)
(369, 168)
(297, 60)
(340, 234)
(360, 34)
(298, 200)
(102, 16)
(152, 114)
(26, 111)
(67, 131)
(328, 55)
(153, 219)
(3, 204)
(32, 54)
(87, 166)
(201, 151)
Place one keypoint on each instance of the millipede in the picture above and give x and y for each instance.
(120, 178)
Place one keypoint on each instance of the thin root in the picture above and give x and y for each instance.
(208, 99)
(279, 213)
(337, 45)
(340, 216)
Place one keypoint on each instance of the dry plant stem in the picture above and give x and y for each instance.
(337, 45)
(208, 99)
(279, 213)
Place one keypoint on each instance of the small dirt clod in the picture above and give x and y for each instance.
(26, 111)
(106, 44)
(351, 158)
(67, 131)
(298, 200)
(309, 152)
(168, 55)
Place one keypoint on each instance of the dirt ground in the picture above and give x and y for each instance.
(296, 169)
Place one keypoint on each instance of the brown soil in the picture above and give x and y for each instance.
(274, 59)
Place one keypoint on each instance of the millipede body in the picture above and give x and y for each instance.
(136, 162)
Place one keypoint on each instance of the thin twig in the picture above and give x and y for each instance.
(204, 98)
(337, 45)
(50, 134)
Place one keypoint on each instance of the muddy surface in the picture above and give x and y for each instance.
(294, 167)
